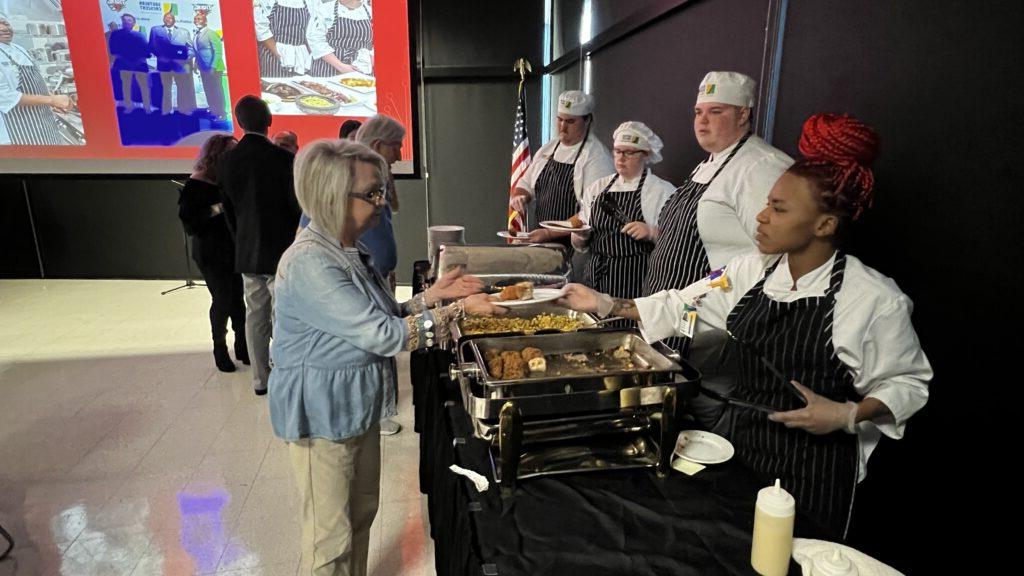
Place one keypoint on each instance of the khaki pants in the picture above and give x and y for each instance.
(339, 484)
(258, 290)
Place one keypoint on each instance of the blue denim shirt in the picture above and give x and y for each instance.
(379, 241)
(337, 329)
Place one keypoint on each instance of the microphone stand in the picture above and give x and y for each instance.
(189, 283)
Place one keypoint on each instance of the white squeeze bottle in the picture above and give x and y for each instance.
(773, 531)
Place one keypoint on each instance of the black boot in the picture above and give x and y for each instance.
(221, 358)
(241, 348)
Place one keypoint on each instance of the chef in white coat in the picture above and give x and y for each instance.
(838, 332)
(340, 37)
(26, 105)
(622, 213)
(281, 33)
(710, 218)
(564, 167)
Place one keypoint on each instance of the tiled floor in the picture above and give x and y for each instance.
(123, 451)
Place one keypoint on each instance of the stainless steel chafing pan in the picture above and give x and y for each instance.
(504, 265)
(546, 395)
(526, 312)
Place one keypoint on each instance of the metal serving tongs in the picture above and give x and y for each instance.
(610, 207)
(786, 382)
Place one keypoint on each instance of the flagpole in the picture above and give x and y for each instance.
(522, 65)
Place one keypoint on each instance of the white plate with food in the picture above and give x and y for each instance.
(703, 447)
(513, 235)
(564, 226)
(357, 82)
(524, 293)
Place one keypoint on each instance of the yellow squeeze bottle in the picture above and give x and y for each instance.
(773, 531)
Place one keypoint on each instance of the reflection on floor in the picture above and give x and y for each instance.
(123, 451)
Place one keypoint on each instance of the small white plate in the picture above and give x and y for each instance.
(703, 447)
(539, 295)
(516, 236)
(562, 226)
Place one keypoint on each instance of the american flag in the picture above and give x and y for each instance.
(520, 160)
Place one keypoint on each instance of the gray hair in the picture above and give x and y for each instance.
(380, 128)
(325, 173)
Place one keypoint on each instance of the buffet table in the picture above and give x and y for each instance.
(598, 523)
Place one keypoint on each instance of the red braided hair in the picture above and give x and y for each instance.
(837, 150)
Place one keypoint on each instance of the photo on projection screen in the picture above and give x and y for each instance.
(38, 99)
(316, 57)
(136, 86)
(167, 71)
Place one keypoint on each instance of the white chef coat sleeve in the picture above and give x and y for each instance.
(259, 14)
(9, 94)
(316, 31)
(892, 367)
(750, 194)
(597, 165)
(661, 314)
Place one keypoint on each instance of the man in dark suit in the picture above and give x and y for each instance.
(263, 214)
(172, 47)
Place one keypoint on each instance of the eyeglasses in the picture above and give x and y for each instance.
(375, 196)
(626, 153)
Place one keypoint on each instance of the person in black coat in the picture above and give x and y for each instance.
(263, 213)
(201, 210)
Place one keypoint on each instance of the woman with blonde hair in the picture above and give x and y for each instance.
(337, 330)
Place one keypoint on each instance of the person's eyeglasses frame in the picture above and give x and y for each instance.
(376, 196)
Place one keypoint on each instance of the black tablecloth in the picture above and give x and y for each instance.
(603, 523)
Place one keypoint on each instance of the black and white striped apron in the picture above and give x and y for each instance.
(618, 262)
(288, 25)
(554, 189)
(347, 37)
(820, 471)
(679, 258)
(31, 125)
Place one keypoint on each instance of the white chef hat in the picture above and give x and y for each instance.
(727, 88)
(638, 135)
(5, 18)
(575, 103)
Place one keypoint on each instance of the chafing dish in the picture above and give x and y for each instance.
(504, 265)
(458, 331)
(583, 415)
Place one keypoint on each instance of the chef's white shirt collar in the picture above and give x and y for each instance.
(636, 180)
(782, 278)
(715, 157)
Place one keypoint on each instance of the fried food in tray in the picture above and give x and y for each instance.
(516, 365)
(500, 325)
(325, 91)
(286, 92)
(494, 364)
(513, 366)
(358, 82)
(531, 353)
